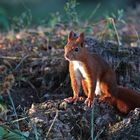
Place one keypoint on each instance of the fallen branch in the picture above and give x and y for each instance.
(56, 115)
(18, 65)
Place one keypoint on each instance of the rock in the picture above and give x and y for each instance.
(72, 122)
(127, 129)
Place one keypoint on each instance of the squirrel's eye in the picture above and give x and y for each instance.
(76, 49)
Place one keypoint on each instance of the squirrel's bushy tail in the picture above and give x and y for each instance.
(128, 99)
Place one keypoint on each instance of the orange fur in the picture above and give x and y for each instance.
(85, 87)
(86, 69)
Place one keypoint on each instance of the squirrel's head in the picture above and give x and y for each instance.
(74, 49)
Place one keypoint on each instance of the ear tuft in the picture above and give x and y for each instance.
(70, 36)
(81, 38)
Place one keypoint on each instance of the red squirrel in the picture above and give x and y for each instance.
(96, 77)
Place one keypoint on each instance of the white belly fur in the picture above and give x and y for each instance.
(98, 90)
(79, 69)
(80, 73)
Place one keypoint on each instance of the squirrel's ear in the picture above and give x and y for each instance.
(70, 36)
(81, 37)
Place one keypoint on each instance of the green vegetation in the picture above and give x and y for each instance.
(30, 13)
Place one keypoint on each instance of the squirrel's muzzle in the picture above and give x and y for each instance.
(66, 56)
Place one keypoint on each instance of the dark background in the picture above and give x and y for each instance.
(42, 9)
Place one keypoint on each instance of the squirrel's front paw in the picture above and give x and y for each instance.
(89, 102)
(71, 99)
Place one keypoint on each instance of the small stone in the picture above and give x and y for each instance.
(63, 105)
